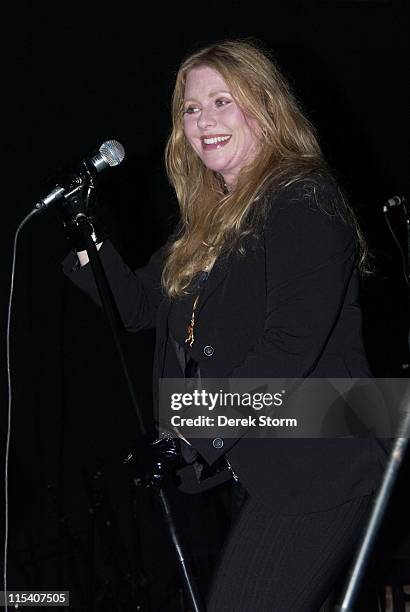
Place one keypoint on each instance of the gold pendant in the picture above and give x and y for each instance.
(190, 337)
(190, 331)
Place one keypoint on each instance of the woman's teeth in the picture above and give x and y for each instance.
(215, 139)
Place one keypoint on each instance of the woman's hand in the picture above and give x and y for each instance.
(156, 462)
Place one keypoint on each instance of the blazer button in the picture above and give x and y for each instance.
(209, 350)
(217, 443)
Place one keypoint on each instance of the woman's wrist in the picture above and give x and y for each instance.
(83, 256)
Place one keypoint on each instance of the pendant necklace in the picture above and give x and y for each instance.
(190, 339)
(190, 331)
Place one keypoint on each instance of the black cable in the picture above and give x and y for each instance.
(9, 389)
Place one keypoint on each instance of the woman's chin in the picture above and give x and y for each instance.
(215, 166)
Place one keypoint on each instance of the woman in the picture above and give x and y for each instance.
(260, 281)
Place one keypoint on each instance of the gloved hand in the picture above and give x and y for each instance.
(155, 462)
(75, 237)
(72, 216)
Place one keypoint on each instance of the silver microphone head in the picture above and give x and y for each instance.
(111, 153)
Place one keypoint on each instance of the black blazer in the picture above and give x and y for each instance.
(288, 308)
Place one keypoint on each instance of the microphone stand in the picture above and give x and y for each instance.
(85, 229)
(407, 215)
(364, 551)
(392, 203)
(381, 501)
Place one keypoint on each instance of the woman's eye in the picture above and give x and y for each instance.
(190, 110)
(222, 102)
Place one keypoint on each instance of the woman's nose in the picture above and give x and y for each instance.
(206, 119)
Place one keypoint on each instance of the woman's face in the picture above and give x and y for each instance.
(219, 132)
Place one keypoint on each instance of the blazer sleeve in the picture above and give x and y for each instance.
(309, 257)
(137, 293)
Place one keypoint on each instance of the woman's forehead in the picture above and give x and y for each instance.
(204, 80)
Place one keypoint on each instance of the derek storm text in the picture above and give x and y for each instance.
(224, 421)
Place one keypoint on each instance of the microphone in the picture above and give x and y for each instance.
(111, 153)
(395, 201)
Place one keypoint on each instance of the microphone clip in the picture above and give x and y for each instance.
(78, 210)
(79, 195)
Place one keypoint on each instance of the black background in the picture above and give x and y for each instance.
(74, 77)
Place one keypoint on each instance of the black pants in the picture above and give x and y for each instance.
(286, 563)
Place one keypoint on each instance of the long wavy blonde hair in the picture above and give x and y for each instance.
(213, 220)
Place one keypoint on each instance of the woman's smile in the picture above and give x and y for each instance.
(216, 141)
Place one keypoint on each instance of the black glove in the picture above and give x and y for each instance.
(155, 462)
(75, 236)
(73, 216)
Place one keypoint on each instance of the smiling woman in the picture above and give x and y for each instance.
(259, 281)
(236, 94)
(224, 138)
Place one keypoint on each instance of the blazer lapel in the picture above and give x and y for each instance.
(216, 276)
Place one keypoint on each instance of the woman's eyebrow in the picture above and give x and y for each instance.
(217, 93)
(210, 95)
